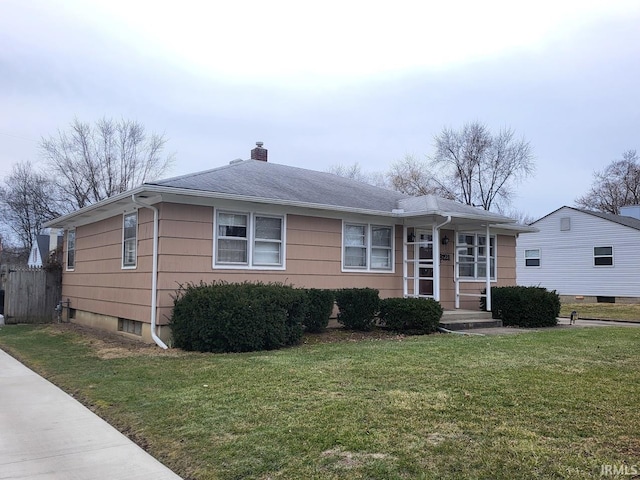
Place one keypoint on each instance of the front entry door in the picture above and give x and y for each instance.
(425, 262)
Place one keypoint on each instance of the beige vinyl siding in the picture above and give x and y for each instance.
(313, 256)
(312, 248)
(98, 283)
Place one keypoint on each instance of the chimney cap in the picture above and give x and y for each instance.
(259, 144)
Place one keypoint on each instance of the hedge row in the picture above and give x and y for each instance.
(528, 307)
(240, 317)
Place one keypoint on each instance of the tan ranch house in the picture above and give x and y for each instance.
(125, 256)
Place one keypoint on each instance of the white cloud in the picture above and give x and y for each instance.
(299, 41)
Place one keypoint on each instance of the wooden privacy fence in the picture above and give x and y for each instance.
(31, 294)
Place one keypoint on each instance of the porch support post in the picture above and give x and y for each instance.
(488, 258)
(405, 270)
(436, 262)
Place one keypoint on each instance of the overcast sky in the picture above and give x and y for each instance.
(330, 82)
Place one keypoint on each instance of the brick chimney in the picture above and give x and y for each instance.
(259, 153)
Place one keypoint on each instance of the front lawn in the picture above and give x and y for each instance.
(557, 403)
(604, 311)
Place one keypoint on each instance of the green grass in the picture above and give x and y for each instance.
(605, 311)
(551, 404)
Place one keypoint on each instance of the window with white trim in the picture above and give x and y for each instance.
(471, 256)
(71, 249)
(532, 257)
(129, 240)
(367, 247)
(267, 246)
(232, 238)
(603, 256)
(250, 240)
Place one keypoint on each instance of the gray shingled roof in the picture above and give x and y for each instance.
(263, 180)
(432, 204)
(43, 245)
(621, 219)
(254, 178)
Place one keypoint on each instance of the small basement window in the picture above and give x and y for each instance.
(129, 326)
(606, 299)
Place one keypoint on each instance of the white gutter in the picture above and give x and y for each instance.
(436, 258)
(154, 272)
(488, 267)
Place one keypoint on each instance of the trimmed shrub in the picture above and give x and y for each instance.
(319, 308)
(410, 315)
(237, 317)
(528, 307)
(357, 308)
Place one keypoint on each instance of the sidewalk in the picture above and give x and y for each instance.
(46, 434)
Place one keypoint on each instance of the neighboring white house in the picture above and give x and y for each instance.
(42, 247)
(580, 253)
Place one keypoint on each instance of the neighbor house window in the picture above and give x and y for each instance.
(367, 247)
(532, 257)
(602, 256)
(71, 249)
(129, 239)
(471, 256)
(251, 240)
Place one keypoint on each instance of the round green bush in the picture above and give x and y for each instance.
(528, 307)
(237, 317)
(410, 315)
(357, 308)
(319, 308)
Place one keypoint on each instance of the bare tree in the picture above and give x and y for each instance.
(354, 172)
(27, 200)
(411, 176)
(94, 162)
(522, 217)
(615, 186)
(479, 168)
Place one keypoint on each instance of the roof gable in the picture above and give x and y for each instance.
(618, 219)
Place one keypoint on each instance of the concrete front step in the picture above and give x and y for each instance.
(448, 315)
(469, 323)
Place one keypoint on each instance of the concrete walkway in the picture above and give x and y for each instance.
(46, 434)
(562, 323)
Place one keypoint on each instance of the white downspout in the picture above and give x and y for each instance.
(436, 258)
(488, 279)
(405, 268)
(154, 272)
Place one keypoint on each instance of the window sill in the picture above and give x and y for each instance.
(250, 267)
(365, 270)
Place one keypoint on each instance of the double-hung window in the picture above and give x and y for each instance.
(232, 238)
(249, 240)
(71, 249)
(532, 257)
(471, 256)
(367, 247)
(267, 246)
(602, 256)
(130, 240)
